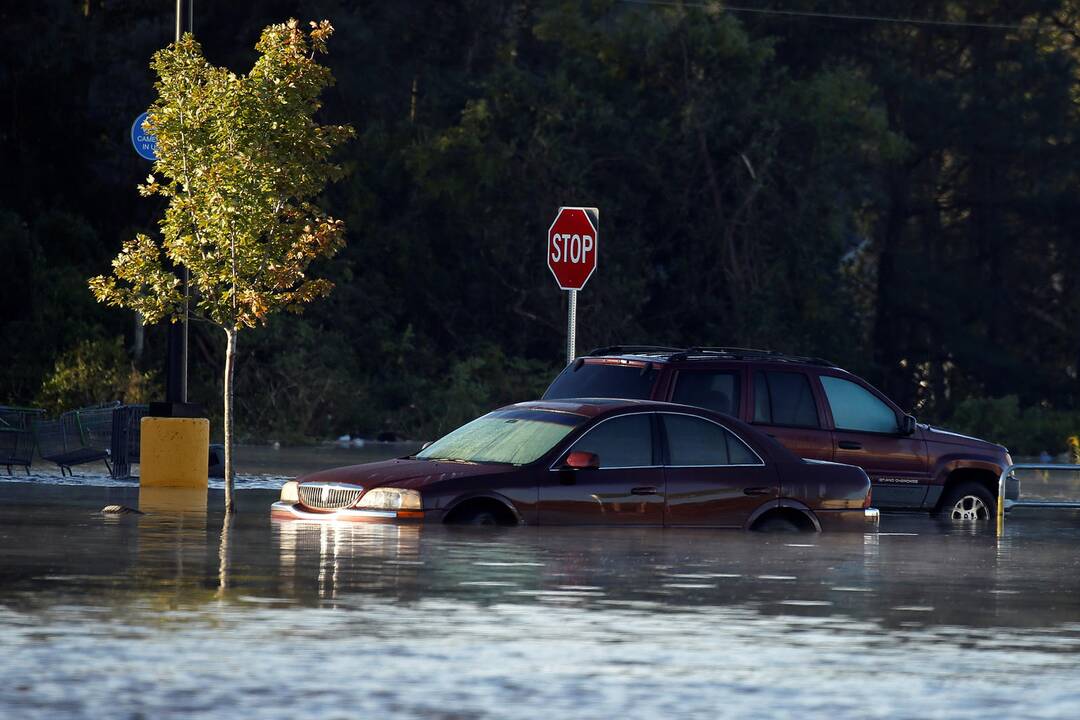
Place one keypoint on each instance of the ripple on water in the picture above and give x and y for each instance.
(189, 617)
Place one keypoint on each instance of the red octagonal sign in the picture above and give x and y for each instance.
(572, 246)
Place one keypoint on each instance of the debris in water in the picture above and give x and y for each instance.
(119, 510)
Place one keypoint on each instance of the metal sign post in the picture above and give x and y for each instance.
(573, 242)
(571, 327)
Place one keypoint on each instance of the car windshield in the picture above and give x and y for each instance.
(517, 437)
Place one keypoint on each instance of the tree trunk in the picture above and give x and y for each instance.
(230, 368)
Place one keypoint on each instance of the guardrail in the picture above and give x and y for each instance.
(1004, 504)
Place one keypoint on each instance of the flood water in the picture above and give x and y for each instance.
(183, 614)
(187, 615)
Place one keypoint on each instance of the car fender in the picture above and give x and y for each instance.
(948, 464)
(484, 495)
(786, 503)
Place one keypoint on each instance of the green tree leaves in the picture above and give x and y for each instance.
(241, 160)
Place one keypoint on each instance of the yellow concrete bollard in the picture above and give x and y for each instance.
(172, 501)
(174, 452)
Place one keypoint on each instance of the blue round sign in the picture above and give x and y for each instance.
(145, 143)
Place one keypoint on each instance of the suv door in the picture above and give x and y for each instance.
(627, 488)
(713, 477)
(866, 431)
(783, 401)
(719, 389)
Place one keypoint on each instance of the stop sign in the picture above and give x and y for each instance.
(572, 246)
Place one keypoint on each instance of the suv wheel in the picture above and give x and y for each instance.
(968, 502)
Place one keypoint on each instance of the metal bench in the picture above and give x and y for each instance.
(17, 436)
(126, 435)
(77, 437)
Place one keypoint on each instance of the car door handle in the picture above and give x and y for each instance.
(758, 491)
(849, 445)
(648, 490)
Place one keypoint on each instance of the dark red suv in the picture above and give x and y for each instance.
(816, 409)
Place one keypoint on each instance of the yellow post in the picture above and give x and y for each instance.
(174, 452)
(1001, 505)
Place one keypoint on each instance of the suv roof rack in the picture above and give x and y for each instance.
(733, 353)
(752, 354)
(627, 349)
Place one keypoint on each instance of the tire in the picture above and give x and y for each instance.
(968, 502)
(482, 517)
(777, 524)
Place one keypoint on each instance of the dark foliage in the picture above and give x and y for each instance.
(896, 197)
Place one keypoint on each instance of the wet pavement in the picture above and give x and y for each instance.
(184, 614)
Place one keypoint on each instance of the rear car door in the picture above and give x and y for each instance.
(626, 489)
(785, 405)
(713, 477)
(866, 432)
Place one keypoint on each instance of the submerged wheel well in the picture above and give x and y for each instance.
(796, 517)
(464, 511)
(965, 475)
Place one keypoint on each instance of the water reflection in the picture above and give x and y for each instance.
(589, 621)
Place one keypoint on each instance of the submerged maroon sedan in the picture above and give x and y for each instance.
(594, 462)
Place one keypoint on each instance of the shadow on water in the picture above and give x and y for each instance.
(491, 621)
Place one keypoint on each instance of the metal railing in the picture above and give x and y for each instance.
(1004, 497)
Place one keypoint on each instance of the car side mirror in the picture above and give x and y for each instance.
(581, 460)
(907, 425)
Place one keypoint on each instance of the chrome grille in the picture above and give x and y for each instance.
(329, 496)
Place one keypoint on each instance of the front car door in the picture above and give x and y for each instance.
(713, 477)
(784, 403)
(866, 432)
(626, 489)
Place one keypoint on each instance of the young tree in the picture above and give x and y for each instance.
(241, 160)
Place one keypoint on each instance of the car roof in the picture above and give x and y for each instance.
(662, 353)
(594, 407)
(586, 407)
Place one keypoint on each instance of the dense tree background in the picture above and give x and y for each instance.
(896, 197)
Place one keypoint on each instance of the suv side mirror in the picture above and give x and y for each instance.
(581, 460)
(907, 425)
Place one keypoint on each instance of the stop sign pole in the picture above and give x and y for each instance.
(572, 246)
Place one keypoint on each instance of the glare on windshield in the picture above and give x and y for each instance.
(516, 437)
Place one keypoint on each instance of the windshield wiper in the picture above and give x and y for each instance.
(453, 460)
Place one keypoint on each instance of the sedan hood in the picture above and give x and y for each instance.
(403, 473)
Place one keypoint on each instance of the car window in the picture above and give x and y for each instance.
(694, 441)
(784, 398)
(620, 442)
(715, 390)
(739, 453)
(856, 408)
(600, 380)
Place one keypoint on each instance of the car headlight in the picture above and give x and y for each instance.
(390, 499)
(290, 492)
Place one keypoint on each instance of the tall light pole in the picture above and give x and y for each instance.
(176, 361)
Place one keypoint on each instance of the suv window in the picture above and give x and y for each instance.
(784, 398)
(856, 408)
(696, 442)
(600, 380)
(715, 390)
(624, 441)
